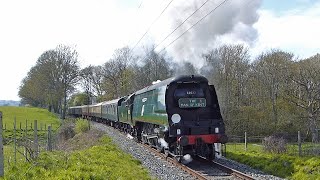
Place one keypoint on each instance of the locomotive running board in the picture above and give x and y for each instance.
(149, 136)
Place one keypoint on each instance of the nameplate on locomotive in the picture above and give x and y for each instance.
(192, 102)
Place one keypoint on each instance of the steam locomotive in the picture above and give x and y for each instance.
(179, 116)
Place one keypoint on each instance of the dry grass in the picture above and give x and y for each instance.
(81, 141)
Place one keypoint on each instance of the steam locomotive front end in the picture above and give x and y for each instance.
(195, 121)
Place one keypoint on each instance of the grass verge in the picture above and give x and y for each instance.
(104, 160)
(281, 165)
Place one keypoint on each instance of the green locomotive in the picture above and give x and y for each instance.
(179, 115)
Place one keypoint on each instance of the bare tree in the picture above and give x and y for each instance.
(118, 73)
(305, 91)
(272, 70)
(227, 67)
(67, 60)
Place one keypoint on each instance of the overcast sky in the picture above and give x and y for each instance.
(97, 27)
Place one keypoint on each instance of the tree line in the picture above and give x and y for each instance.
(273, 93)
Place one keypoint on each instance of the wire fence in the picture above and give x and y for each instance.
(298, 145)
(25, 142)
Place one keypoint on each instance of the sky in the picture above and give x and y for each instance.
(96, 28)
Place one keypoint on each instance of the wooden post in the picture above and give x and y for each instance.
(15, 140)
(35, 138)
(26, 127)
(49, 147)
(20, 125)
(1, 149)
(245, 141)
(299, 143)
(26, 138)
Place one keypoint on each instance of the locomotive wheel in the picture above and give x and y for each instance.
(211, 153)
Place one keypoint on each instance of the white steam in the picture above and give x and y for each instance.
(163, 143)
(186, 159)
(129, 136)
(232, 22)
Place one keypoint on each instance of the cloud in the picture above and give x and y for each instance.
(295, 31)
(232, 21)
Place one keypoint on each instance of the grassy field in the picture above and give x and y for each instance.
(102, 161)
(282, 165)
(88, 155)
(27, 113)
(44, 119)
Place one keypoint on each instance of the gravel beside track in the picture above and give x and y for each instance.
(162, 169)
(246, 169)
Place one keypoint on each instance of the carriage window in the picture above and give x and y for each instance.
(161, 95)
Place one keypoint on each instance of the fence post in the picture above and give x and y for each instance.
(15, 140)
(1, 148)
(26, 140)
(245, 141)
(20, 126)
(299, 143)
(35, 138)
(49, 147)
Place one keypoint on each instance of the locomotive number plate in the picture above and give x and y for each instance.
(192, 102)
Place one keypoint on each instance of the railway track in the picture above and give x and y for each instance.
(199, 168)
(203, 169)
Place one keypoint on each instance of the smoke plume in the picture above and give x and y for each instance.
(232, 22)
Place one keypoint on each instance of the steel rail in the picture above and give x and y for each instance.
(176, 163)
(226, 169)
(233, 171)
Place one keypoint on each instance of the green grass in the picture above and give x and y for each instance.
(103, 161)
(44, 119)
(82, 125)
(100, 160)
(43, 116)
(282, 165)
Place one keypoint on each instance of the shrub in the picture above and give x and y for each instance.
(82, 125)
(66, 130)
(274, 144)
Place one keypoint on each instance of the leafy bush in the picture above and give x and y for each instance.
(66, 130)
(82, 125)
